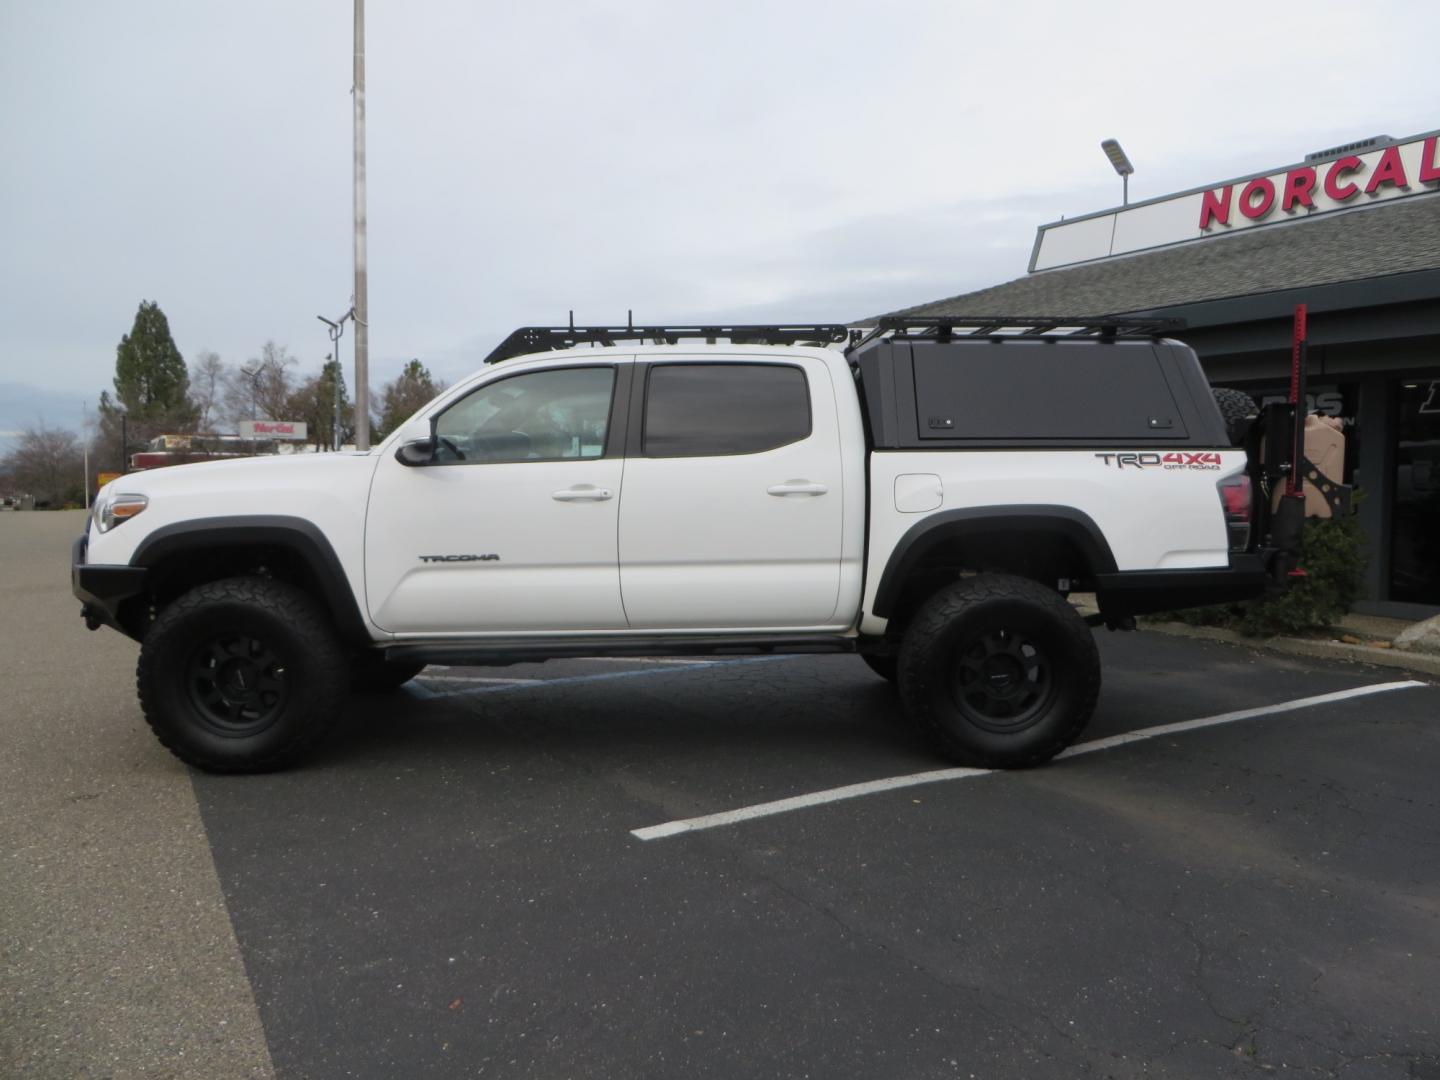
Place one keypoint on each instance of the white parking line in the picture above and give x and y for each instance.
(869, 787)
(473, 678)
(689, 661)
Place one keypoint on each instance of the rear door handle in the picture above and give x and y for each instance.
(582, 493)
(797, 487)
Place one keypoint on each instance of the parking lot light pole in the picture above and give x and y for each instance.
(337, 331)
(361, 307)
(1122, 164)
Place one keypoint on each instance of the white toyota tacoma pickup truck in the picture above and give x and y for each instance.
(925, 494)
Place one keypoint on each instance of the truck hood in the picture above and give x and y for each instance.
(237, 476)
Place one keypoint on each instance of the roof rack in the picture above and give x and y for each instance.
(532, 339)
(946, 327)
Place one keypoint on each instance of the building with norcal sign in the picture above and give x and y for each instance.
(1354, 233)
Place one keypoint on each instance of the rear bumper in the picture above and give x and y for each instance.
(102, 590)
(1141, 592)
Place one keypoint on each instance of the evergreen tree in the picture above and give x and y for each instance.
(151, 385)
(406, 395)
(314, 403)
(150, 376)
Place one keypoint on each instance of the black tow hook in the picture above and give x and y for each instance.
(91, 622)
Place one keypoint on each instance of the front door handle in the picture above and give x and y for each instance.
(797, 487)
(582, 493)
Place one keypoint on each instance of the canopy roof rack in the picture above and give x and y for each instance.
(533, 339)
(945, 327)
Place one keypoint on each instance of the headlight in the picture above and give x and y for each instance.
(115, 509)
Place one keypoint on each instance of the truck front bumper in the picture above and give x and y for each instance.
(102, 589)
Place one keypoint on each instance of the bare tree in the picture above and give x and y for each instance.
(261, 388)
(208, 379)
(46, 463)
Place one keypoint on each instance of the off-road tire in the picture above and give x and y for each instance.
(887, 667)
(1239, 411)
(225, 640)
(996, 643)
(371, 673)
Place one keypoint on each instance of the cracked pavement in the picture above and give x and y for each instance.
(452, 889)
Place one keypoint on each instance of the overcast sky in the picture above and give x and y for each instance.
(740, 161)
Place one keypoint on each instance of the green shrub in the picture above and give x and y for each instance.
(1334, 561)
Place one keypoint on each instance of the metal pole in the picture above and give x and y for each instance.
(124, 444)
(1299, 394)
(335, 379)
(362, 306)
(85, 412)
(1126, 179)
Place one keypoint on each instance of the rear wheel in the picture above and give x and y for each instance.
(1000, 670)
(241, 675)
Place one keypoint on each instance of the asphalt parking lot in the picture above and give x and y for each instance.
(540, 871)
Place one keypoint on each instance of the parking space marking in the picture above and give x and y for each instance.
(689, 661)
(869, 787)
(572, 680)
(473, 678)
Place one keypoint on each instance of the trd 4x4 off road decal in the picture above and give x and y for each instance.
(1173, 459)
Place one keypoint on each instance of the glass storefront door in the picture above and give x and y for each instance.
(1415, 522)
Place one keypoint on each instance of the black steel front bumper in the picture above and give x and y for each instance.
(1141, 592)
(103, 590)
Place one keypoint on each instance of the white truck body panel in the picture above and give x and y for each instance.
(705, 543)
(1188, 532)
(330, 491)
(557, 567)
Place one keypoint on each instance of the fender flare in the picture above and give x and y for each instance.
(948, 525)
(294, 534)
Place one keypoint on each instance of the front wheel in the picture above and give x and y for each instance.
(241, 675)
(1000, 670)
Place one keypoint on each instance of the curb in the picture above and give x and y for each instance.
(1416, 663)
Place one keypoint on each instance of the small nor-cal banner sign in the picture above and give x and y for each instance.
(272, 429)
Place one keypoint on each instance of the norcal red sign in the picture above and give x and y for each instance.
(1364, 172)
(1333, 184)
(273, 429)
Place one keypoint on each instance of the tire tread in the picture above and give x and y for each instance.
(276, 598)
(950, 603)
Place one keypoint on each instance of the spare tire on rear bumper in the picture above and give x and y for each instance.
(1238, 410)
(1000, 670)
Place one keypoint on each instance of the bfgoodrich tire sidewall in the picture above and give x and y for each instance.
(928, 668)
(177, 721)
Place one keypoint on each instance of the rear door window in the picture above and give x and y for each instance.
(710, 410)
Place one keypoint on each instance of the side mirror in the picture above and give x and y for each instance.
(416, 452)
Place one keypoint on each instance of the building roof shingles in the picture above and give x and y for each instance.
(1389, 238)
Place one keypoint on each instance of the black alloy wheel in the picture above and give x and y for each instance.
(1002, 681)
(1000, 670)
(238, 685)
(244, 674)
